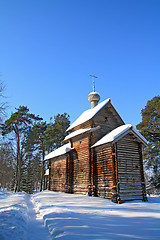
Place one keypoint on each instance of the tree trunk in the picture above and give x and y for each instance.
(42, 172)
(16, 174)
(19, 162)
(42, 175)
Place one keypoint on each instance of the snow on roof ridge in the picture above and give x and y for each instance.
(59, 151)
(76, 133)
(117, 132)
(80, 131)
(88, 114)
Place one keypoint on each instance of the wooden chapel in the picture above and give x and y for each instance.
(102, 156)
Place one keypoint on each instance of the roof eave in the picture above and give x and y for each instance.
(89, 131)
(121, 136)
(58, 155)
(141, 139)
(130, 130)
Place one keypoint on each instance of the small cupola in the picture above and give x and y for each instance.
(93, 97)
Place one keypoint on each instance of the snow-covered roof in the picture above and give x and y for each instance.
(88, 114)
(118, 133)
(80, 131)
(59, 151)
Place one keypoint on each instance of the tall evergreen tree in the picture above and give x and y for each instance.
(61, 123)
(18, 124)
(34, 143)
(150, 128)
(56, 132)
(31, 175)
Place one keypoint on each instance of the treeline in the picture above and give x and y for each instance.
(25, 140)
(7, 164)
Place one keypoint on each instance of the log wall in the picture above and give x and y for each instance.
(57, 176)
(81, 166)
(130, 174)
(69, 172)
(107, 120)
(103, 173)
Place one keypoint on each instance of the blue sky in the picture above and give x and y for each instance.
(48, 49)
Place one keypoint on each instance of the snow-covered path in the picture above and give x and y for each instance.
(35, 226)
(18, 219)
(50, 215)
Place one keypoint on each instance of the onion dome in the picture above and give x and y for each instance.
(93, 98)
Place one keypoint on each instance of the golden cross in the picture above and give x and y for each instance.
(93, 76)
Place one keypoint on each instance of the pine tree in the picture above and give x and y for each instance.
(19, 123)
(56, 132)
(34, 143)
(150, 129)
(61, 123)
(36, 165)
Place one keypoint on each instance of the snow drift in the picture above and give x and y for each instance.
(51, 215)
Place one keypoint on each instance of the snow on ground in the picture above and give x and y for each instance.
(51, 215)
(12, 215)
(18, 219)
